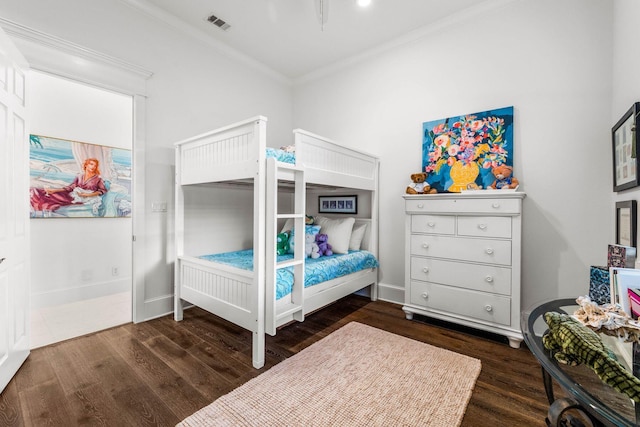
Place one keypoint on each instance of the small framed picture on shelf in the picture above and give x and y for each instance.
(622, 280)
(338, 204)
(625, 159)
(626, 223)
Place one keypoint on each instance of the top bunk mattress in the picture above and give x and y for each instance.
(281, 155)
(317, 270)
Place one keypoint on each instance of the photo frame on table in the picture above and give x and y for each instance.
(338, 204)
(621, 281)
(625, 160)
(626, 217)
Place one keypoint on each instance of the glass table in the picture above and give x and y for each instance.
(586, 400)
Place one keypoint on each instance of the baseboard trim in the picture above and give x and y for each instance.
(391, 293)
(157, 307)
(75, 294)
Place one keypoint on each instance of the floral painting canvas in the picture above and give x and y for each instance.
(77, 179)
(458, 153)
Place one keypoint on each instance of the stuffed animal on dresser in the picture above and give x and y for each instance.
(419, 185)
(503, 176)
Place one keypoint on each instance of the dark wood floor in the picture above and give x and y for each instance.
(161, 371)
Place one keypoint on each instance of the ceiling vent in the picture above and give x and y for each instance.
(218, 22)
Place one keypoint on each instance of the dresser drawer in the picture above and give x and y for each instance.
(435, 224)
(462, 302)
(486, 278)
(463, 205)
(485, 226)
(462, 248)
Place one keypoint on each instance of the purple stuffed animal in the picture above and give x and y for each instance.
(323, 244)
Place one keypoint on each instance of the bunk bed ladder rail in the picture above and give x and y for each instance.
(294, 307)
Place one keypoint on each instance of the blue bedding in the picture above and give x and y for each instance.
(281, 155)
(317, 270)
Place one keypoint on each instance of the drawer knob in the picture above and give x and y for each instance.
(488, 308)
(482, 226)
(425, 295)
(425, 245)
(489, 251)
(495, 205)
(420, 206)
(431, 224)
(425, 269)
(488, 279)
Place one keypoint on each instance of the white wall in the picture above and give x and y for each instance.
(194, 88)
(73, 258)
(551, 60)
(626, 63)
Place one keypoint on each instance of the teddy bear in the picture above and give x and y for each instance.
(503, 180)
(418, 184)
(282, 242)
(311, 248)
(323, 244)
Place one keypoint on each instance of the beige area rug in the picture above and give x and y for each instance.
(356, 376)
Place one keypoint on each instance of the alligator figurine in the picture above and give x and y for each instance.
(572, 343)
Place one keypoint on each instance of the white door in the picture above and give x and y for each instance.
(14, 217)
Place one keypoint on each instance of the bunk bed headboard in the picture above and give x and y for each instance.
(326, 162)
(229, 153)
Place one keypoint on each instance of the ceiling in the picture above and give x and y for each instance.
(286, 36)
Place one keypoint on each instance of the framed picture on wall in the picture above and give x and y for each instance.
(338, 204)
(72, 179)
(459, 152)
(626, 223)
(625, 160)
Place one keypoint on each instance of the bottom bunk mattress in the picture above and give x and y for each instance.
(317, 270)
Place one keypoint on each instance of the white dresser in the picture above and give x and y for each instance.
(463, 259)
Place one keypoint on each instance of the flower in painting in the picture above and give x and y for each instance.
(469, 139)
(442, 141)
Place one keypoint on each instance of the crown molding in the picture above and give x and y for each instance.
(60, 57)
(31, 35)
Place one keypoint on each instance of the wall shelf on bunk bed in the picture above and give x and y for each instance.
(238, 154)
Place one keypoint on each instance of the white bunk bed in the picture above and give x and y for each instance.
(237, 153)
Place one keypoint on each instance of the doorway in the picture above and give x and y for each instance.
(81, 267)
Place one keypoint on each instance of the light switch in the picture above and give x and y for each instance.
(158, 206)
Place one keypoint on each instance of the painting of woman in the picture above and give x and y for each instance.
(87, 185)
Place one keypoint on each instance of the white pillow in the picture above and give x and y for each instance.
(338, 232)
(357, 234)
(288, 225)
